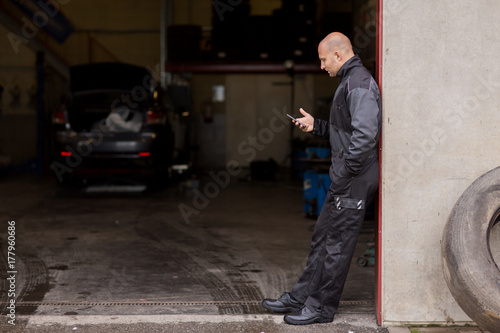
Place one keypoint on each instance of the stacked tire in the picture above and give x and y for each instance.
(469, 269)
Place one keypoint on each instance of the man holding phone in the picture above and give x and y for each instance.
(353, 131)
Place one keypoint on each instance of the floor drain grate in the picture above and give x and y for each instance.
(146, 303)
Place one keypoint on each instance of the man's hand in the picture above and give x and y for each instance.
(307, 120)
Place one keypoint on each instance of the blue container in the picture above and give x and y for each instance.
(310, 191)
(315, 188)
(318, 152)
(324, 183)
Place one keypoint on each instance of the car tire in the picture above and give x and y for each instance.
(469, 269)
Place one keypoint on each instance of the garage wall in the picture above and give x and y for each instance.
(126, 30)
(255, 129)
(255, 107)
(17, 104)
(441, 96)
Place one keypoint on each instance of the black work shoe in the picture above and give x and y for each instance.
(283, 304)
(306, 317)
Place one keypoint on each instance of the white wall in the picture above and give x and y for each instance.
(256, 124)
(441, 102)
(254, 131)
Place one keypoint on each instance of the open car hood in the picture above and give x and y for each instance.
(109, 76)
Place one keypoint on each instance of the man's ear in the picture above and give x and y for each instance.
(337, 55)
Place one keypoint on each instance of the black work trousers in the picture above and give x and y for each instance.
(333, 242)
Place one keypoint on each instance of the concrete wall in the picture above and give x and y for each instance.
(441, 98)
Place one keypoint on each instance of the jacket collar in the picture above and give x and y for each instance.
(355, 61)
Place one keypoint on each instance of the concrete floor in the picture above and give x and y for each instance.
(122, 256)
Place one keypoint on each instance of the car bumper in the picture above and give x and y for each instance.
(107, 146)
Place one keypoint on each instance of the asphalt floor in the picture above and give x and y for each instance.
(104, 258)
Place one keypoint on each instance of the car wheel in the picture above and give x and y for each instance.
(469, 268)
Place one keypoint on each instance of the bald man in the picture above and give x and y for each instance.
(353, 132)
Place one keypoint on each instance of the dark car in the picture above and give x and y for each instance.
(113, 124)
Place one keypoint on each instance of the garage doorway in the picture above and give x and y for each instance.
(364, 23)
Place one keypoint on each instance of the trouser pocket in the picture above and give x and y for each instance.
(341, 183)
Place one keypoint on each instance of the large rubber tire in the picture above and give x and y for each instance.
(469, 269)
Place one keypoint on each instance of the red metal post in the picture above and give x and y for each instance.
(378, 271)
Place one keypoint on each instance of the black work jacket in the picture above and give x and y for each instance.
(355, 118)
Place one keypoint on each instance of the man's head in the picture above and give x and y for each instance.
(334, 50)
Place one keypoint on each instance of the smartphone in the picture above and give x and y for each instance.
(296, 120)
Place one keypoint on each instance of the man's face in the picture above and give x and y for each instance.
(328, 59)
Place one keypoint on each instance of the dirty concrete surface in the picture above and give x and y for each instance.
(131, 262)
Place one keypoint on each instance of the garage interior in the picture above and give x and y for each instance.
(230, 70)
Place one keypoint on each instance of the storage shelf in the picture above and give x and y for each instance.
(243, 67)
